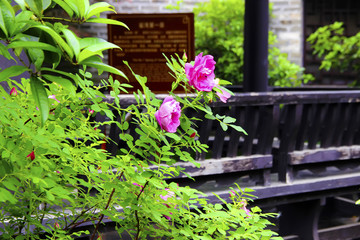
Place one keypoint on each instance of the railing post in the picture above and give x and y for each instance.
(256, 45)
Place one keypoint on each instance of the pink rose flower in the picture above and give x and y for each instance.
(169, 114)
(201, 75)
(13, 92)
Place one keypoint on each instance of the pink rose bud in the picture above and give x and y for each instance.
(193, 135)
(169, 114)
(201, 76)
(31, 155)
(13, 92)
(91, 111)
(232, 193)
(184, 57)
(136, 184)
(56, 225)
(223, 95)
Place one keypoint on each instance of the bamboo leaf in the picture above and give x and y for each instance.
(41, 98)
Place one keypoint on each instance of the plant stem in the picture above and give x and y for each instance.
(136, 213)
(106, 207)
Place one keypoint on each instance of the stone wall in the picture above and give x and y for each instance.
(287, 23)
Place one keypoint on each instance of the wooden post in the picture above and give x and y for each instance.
(256, 45)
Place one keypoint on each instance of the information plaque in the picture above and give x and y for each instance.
(151, 36)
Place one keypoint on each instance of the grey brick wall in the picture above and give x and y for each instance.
(287, 23)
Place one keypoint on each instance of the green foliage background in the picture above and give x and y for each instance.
(219, 27)
(336, 50)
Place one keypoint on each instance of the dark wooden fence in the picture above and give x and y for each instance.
(301, 155)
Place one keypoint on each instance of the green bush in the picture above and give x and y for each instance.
(51, 157)
(219, 27)
(336, 50)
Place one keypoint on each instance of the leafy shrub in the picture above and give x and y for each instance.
(54, 173)
(219, 27)
(337, 51)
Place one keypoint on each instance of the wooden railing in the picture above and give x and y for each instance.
(300, 149)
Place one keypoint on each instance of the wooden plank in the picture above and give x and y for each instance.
(220, 135)
(324, 155)
(343, 232)
(238, 113)
(251, 124)
(227, 165)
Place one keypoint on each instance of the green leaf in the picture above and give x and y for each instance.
(33, 44)
(97, 8)
(41, 98)
(12, 72)
(35, 6)
(173, 136)
(65, 6)
(86, 42)
(108, 21)
(83, 7)
(94, 62)
(223, 126)
(229, 120)
(74, 6)
(7, 17)
(73, 41)
(21, 20)
(67, 84)
(4, 51)
(21, 3)
(7, 196)
(57, 38)
(238, 128)
(37, 57)
(95, 49)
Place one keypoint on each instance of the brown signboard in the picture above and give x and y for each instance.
(151, 36)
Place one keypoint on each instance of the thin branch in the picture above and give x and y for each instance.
(136, 213)
(106, 207)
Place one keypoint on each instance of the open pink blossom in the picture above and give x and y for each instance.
(31, 155)
(13, 92)
(53, 97)
(91, 111)
(201, 74)
(243, 207)
(169, 114)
